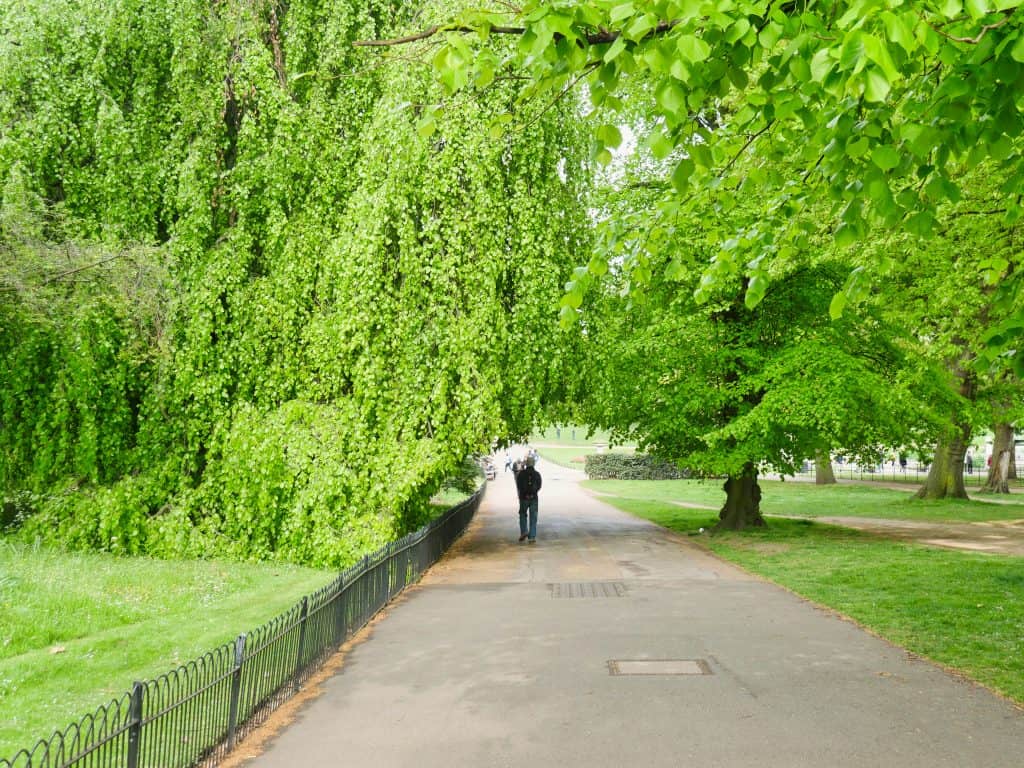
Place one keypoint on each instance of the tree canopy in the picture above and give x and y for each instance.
(879, 107)
(339, 307)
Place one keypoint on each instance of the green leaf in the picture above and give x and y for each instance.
(609, 135)
(598, 265)
(567, 317)
(641, 26)
(692, 48)
(976, 8)
(616, 48)
(821, 65)
(878, 52)
(426, 126)
(898, 31)
(876, 86)
(671, 96)
(681, 175)
(885, 157)
(845, 235)
(1017, 52)
(675, 270)
(837, 305)
(858, 147)
(756, 289)
(621, 12)
(950, 8)
(661, 146)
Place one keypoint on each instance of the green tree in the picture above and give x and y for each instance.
(946, 293)
(729, 389)
(875, 106)
(358, 293)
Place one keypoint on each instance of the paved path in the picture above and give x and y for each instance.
(484, 664)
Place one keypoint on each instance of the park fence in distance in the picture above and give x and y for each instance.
(196, 714)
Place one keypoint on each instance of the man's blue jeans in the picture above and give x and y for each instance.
(528, 506)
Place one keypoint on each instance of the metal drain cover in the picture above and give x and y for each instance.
(589, 589)
(659, 667)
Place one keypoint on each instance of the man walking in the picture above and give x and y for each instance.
(528, 485)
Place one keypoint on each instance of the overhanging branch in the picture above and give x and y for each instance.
(594, 38)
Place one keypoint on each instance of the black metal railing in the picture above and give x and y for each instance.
(914, 474)
(196, 714)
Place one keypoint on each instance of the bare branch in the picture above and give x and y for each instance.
(977, 38)
(568, 87)
(70, 272)
(595, 38)
(750, 140)
(430, 32)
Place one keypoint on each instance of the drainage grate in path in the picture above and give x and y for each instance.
(659, 667)
(589, 589)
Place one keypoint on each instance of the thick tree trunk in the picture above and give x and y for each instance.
(823, 474)
(742, 502)
(1002, 460)
(946, 477)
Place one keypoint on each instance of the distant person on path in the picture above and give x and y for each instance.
(508, 461)
(970, 464)
(528, 483)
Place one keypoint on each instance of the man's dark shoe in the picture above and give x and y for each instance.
(522, 537)
(533, 541)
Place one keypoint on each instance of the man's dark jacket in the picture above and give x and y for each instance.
(528, 483)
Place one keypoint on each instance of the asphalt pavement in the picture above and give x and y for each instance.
(613, 642)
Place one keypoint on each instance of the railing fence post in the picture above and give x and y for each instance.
(302, 642)
(339, 611)
(236, 689)
(135, 723)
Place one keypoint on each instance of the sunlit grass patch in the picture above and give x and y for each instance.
(77, 629)
(808, 500)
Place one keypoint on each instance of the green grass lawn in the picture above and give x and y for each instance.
(77, 629)
(569, 446)
(569, 435)
(573, 456)
(809, 500)
(963, 610)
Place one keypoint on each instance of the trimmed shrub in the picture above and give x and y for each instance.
(631, 466)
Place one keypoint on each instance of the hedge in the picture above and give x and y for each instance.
(631, 466)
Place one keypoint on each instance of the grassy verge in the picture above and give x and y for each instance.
(77, 629)
(808, 500)
(569, 435)
(572, 456)
(962, 610)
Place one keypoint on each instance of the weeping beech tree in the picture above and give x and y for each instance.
(355, 299)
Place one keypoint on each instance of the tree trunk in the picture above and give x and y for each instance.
(823, 474)
(1002, 460)
(946, 477)
(742, 502)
